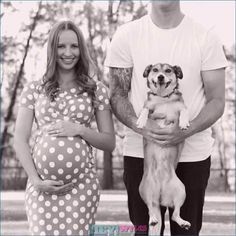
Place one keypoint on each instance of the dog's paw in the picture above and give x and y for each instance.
(184, 123)
(185, 225)
(142, 120)
(184, 120)
(153, 221)
(154, 230)
(182, 223)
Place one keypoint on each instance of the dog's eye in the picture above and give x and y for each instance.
(155, 70)
(168, 70)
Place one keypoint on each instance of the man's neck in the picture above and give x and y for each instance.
(167, 19)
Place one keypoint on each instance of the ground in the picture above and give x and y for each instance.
(219, 213)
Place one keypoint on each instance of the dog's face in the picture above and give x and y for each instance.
(162, 79)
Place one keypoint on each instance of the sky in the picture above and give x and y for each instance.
(217, 14)
(220, 14)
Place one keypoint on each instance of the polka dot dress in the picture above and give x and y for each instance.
(69, 159)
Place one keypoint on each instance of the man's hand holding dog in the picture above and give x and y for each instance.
(167, 136)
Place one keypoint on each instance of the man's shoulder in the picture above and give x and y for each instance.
(203, 33)
(198, 26)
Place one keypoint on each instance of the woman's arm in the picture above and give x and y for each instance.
(23, 128)
(103, 139)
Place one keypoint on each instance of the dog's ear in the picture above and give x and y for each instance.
(178, 72)
(146, 71)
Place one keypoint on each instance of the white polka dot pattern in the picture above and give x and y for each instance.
(102, 97)
(69, 159)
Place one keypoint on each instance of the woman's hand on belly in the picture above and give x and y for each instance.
(53, 187)
(65, 128)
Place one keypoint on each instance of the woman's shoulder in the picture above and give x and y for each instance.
(35, 85)
(102, 96)
(101, 87)
(30, 94)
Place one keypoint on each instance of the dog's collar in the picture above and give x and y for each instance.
(175, 90)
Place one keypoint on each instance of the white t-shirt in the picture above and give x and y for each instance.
(190, 46)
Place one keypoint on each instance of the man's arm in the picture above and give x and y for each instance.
(120, 83)
(214, 88)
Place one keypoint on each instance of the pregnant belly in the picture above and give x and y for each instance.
(62, 158)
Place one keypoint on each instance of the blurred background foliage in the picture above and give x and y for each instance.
(21, 55)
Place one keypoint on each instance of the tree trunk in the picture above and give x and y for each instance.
(107, 182)
(107, 156)
(18, 80)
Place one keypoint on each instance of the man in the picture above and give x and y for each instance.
(166, 35)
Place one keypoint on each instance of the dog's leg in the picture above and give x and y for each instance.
(143, 117)
(176, 217)
(146, 192)
(142, 120)
(184, 119)
(155, 228)
(178, 200)
(178, 150)
(155, 220)
(154, 212)
(174, 191)
(149, 189)
(146, 189)
(147, 185)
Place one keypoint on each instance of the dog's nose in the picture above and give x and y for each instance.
(161, 79)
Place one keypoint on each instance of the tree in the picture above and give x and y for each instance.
(18, 78)
(98, 25)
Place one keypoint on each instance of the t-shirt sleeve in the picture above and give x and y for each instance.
(102, 101)
(213, 56)
(118, 53)
(28, 96)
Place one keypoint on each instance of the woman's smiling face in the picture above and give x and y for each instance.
(68, 52)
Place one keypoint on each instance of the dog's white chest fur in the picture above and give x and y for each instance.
(172, 107)
(166, 106)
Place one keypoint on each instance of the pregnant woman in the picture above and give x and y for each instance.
(62, 191)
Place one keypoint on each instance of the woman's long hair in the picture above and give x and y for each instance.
(83, 68)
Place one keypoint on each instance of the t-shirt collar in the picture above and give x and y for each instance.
(178, 27)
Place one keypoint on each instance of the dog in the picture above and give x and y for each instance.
(160, 184)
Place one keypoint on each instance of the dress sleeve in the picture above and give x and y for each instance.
(101, 97)
(28, 96)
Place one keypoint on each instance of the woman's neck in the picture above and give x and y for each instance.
(66, 79)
